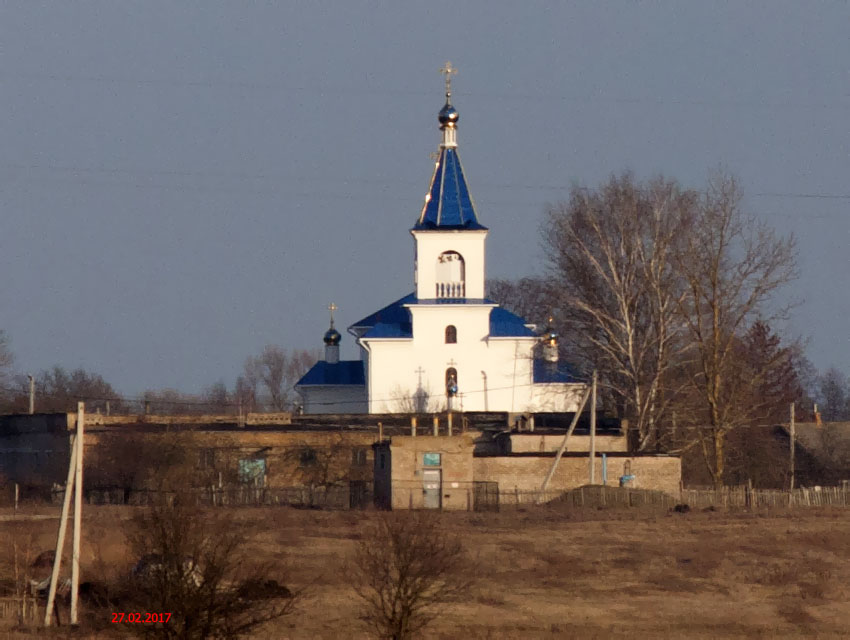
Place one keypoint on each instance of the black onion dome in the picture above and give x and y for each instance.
(448, 114)
(332, 337)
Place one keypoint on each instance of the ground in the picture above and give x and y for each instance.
(548, 572)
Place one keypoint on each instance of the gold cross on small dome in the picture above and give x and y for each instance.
(448, 69)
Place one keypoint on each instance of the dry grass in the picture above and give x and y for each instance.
(546, 573)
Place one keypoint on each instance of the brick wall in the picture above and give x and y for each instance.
(407, 466)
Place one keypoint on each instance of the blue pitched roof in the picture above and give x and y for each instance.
(560, 371)
(448, 205)
(504, 324)
(349, 372)
(393, 313)
(385, 330)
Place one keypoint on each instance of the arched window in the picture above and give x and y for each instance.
(450, 275)
(451, 334)
(451, 381)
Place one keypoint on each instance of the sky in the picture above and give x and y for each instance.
(182, 183)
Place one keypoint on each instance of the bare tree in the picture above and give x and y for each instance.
(278, 371)
(611, 269)
(195, 564)
(407, 567)
(528, 297)
(421, 401)
(6, 357)
(169, 401)
(58, 389)
(245, 393)
(217, 399)
(732, 265)
(320, 467)
(833, 395)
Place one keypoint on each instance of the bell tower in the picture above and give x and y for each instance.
(450, 242)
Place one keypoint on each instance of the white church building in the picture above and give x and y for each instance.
(445, 345)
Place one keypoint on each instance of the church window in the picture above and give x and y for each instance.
(450, 275)
(451, 381)
(451, 334)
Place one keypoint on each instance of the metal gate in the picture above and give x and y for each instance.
(485, 496)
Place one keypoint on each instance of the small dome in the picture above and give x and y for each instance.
(332, 337)
(448, 114)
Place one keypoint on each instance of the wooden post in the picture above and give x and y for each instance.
(78, 513)
(436, 426)
(413, 426)
(593, 429)
(563, 446)
(793, 445)
(449, 422)
(32, 395)
(60, 540)
(17, 495)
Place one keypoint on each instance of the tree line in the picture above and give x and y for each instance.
(265, 385)
(671, 294)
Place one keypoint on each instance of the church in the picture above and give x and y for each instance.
(444, 346)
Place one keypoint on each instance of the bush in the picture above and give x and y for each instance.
(406, 568)
(193, 564)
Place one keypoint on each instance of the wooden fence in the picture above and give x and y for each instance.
(22, 610)
(740, 497)
(743, 496)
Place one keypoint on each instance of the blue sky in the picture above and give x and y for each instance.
(183, 183)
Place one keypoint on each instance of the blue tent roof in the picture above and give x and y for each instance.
(544, 372)
(504, 324)
(449, 205)
(344, 372)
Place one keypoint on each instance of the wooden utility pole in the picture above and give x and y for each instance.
(32, 394)
(793, 446)
(593, 429)
(78, 513)
(60, 540)
(563, 446)
(72, 484)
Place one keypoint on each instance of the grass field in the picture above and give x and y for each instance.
(543, 572)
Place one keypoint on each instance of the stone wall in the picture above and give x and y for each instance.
(289, 458)
(539, 443)
(526, 473)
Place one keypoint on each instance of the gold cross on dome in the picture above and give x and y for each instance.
(448, 69)
(332, 307)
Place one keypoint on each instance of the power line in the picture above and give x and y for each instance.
(300, 180)
(320, 90)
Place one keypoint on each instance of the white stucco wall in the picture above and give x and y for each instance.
(494, 374)
(430, 244)
(334, 399)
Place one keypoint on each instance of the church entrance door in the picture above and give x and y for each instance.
(432, 488)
